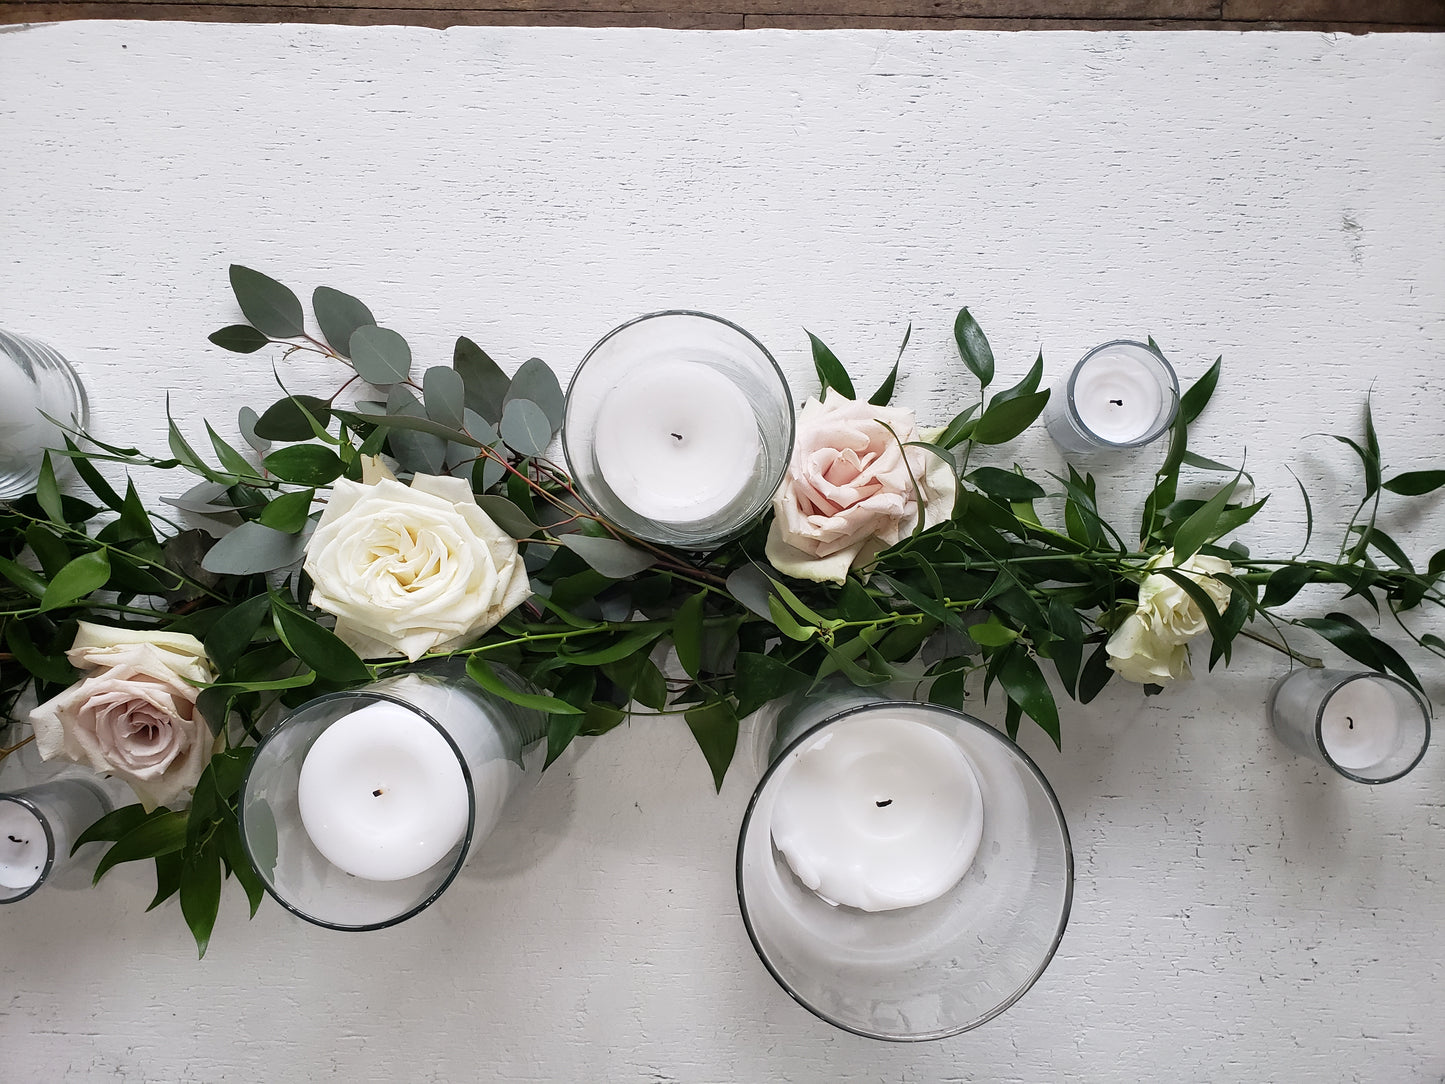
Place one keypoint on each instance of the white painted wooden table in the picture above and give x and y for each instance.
(1275, 198)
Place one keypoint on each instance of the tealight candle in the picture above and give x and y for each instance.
(24, 848)
(1120, 395)
(879, 813)
(1369, 727)
(677, 442)
(678, 427)
(382, 794)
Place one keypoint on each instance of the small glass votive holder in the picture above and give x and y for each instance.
(1122, 394)
(38, 828)
(678, 428)
(1369, 727)
(361, 807)
(899, 791)
(35, 381)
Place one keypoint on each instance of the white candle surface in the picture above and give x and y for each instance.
(23, 848)
(1117, 394)
(677, 441)
(382, 795)
(879, 814)
(1360, 724)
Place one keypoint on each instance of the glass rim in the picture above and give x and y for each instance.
(744, 522)
(1153, 433)
(1048, 790)
(20, 799)
(466, 842)
(1359, 675)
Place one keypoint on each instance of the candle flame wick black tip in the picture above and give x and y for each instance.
(1117, 402)
(1351, 720)
(886, 801)
(676, 436)
(16, 839)
(376, 793)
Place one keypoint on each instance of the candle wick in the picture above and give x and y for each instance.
(377, 793)
(676, 436)
(1117, 402)
(1351, 720)
(886, 801)
(17, 839)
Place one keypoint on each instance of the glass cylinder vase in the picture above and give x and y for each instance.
(1368, 727)
(361, 807)
(38, 827)
(678, 428)
(904, 870)
(36, 385)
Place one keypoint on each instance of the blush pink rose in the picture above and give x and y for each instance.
(133, 715)
(849, 491)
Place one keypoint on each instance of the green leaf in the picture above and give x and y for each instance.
(55, 669)
(1200, 527)
(1416, 482)
(318, 647)
(229, 637)
(752, 587)
(246, 421)
(272, 308)
(201, 892)
(1193, 401)
(1003, 420)
(340, 315)
(687, 633)
(525, 427)
(80, 577)
(1370, 463)
(787, 624)
(884, 395)
(168, 877)
(619, 648)
(163, 832)
(292, 418)
(1284, 583)
(1355, 640)
(561, 729)
(535, 382)
(380, 355)
(22, 577)
(1067, 649)
(762, 678)
(47, 491)
(305, 464)
(445, 396)
(715, 727)
(288, 513)
(235, 854)
(973, 347)
(1027, 386)
(992, 633)
(239, 339)
(486, 384)
(506, 515)
(253, 547)
(229, 458)
(613, 558)
(1096, 674)
(1024, 683)
(1005, 484)
(112, 826)
(414, 423)
(831, 373)
(480, 671)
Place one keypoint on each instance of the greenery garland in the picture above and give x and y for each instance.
(1026, 576)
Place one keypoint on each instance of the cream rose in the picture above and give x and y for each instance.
(848, 492)
(135, 715)
(412, 570)
(1150, 647)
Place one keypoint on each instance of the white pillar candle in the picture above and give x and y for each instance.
(382, 794)
(1360, 724)
(1117, 395)
(879, 814)
(677, 441)
(23, 846)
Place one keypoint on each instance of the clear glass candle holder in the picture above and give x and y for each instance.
(388, 730)
(678, 428)
(38, 827)
(920, 971)
(1369, 727)
(1122, 394)
(35, 381)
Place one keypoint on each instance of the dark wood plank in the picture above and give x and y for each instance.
(834, 22)
(863, 9)
(1419, 12)
(26, 11)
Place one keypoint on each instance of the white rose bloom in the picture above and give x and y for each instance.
(848, 492)
(412, 570)
(135, 716)
(1136, 653)
(1150, 647)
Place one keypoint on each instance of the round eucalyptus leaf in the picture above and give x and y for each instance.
(485, 382)
(537, 382)
(286, 419)
(239, 339)
(246, 421)
(444, 395)
(506, 515)
(339, 315)
(253, 547)
(380, 355)
(613, 558)
(272, 308)
(525, 427)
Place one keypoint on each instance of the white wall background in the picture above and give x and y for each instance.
(1273, 198)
